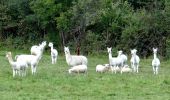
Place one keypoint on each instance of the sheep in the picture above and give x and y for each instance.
(17, 66)
(31, 60)
(123, 57)
(155, 62)
(78, 69)
(73, 60)
(114, 61)
(134, 60)
(54, 53)
(102, 68)
(35, 50)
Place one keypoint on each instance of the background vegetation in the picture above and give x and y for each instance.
(92, 24)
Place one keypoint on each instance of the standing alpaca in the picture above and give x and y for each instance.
(134, 60)
(18, 67)
(73, 60)
(114, 61)
(155, 61)
(31, 60)
(35, 50)
(54, 53)
(123, 57)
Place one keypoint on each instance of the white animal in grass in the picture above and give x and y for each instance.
(126, 69)
(31, 60)
(18, 67)
(54, 53)
(123, 57)
(134, 60)
(114, 61)
(36, 50)
(78, 69)
(102, 68)
(155, 61)
(73, 60)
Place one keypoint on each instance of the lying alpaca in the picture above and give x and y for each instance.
(73, 60)
(18, 66)
(102, 68)
(54, 53)
(126, 69)
(78, 69)
(155, 62)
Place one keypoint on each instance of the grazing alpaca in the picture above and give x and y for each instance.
(18, 66)
(155, 62)
(134, 60)
(123, 57)
(114, 61)
(73, 60)
(54, 53)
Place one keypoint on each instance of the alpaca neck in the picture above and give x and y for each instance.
(154, 56)
(10, 60)
(68, 57)
(110, 55)
(51, 48)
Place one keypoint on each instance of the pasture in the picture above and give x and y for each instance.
(52, 82)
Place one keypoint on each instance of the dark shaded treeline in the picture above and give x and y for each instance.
(91, 24)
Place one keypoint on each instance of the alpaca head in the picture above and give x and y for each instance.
(50, 44)
(155, 50)
(109, 50)
(66, 50)
(120, 52)
(133, 52)
(8, 54)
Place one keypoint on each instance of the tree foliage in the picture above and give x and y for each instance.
(91, 24)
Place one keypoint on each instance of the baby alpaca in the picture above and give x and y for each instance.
(155, 61)
(54, 53)
(134, 60)
(18, 67)
(102, 68)
(78, 69)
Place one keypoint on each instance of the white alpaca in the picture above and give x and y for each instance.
(123, 57)
(102, 68)
(155, 62)
(78, 69)
(36, 50)
(17, 66)
(126, 68)
(54, 53)
(134, 60)
(73, 60)
(31, 60)
(114, 61)
(115, 69)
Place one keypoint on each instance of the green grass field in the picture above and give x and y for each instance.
(52, 82)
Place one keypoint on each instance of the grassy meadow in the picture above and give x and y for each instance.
(52, 82)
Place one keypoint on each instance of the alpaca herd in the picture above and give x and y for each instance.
(78, 63)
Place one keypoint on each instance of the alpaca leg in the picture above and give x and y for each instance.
(13, 73)
(35, 69)
(137, 68)
(32, 69)
(153, 70)
(156, 70)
